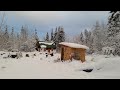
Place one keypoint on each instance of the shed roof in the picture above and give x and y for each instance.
(74, 45)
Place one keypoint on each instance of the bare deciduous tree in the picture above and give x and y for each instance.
(2, 19)
(2, 24)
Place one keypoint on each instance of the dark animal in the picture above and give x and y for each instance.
(2, 53)
(13, 56)
(36, 49)
(34, 54)
(51, 54)
(27, 55)
(88, 70)
(46, 54)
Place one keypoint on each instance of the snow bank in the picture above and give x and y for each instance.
(40, 67)
(74, 45)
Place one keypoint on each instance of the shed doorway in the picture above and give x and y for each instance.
(76, 55)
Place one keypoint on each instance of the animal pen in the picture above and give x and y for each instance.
(71, 51)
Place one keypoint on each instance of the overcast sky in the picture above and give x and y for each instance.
(73, 21)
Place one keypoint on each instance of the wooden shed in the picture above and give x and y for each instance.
(73, 51)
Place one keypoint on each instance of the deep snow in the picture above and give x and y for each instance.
(40, 67)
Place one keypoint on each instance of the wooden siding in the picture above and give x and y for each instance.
(79, 53)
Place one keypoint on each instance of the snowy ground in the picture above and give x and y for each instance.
(40, 67)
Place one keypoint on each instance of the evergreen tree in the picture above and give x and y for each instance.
(6, 34)
(12, 39)
(81, 38)
(47, 37)
(61, 35)
(22, 37)
(86, 33)
(36, 36)
(24, 34)
(97, 41)
(6, 44)
(104, 35)
(91, 44)
(55, 39)
(18, 41)
(12, 33)
(37, 45)
(52, 36)
(114, 31)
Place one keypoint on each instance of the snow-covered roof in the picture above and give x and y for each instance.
(48, 43)
(74, 45)
(43, 46)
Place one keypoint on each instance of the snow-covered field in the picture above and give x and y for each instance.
(40, 67)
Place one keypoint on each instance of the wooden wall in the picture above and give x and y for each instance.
(82, 55)
(67, 51)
